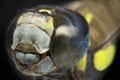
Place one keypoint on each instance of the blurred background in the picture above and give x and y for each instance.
(8, 9)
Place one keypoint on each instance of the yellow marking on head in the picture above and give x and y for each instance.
(81, 66)
(103, 58)
(45, 10)
(21, 17)
(49, 22)
(89, 17)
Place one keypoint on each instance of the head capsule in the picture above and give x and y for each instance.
(45, 38)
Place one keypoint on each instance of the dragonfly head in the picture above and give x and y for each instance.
(41, 40)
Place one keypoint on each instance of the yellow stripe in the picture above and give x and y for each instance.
(103, 58)
(45, 10)
(89, 17)
(81, 66)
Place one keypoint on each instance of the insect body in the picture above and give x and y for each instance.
(46, 40)
(52, 43)
(102, 44)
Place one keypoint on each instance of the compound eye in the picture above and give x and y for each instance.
(68, 46)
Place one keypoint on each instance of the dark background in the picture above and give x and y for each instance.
(8, 8)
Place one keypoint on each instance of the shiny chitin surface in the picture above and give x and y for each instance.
(45, 40)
